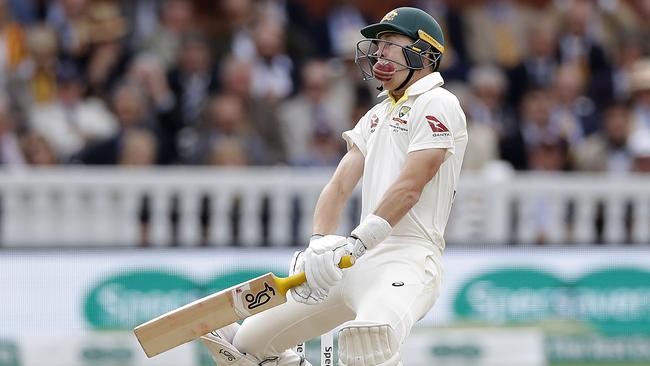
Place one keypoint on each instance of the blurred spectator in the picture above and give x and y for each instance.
(562, 67)
(643, 9)
(139, 148)
(324, 149)
(191, 81)
(176, 19)
(130, 107)
(271, 66)
(37, 150)
(640, 90)
(235, 35)
(347, 84)
(455, 63)
(535, 118)
(309, 19)
(574, 113)
(538, 66)
(579, 45)
(489, 87)
(69, 122)
(13, 49)
(618, 18)
(640, 149)
(605, 20)
(25, 11)
(10, 150)
(143, 18)
(227, 151)
(108, 57)
(237, 79)
(496, 32)
(485, 140)
(40, 78)
(227, 118)
(148, 72)
(314, 108)
(607, 150)
(342, 21)
(628, 52)
(550, 156)
(534, 128)
(69, 18)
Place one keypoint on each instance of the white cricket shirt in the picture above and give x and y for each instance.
(426, 117)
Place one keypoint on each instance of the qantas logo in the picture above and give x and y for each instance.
(374, 121)
(436, 125)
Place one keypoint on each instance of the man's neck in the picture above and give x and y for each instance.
(397, 95)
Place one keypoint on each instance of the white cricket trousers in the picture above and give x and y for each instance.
(396, 283)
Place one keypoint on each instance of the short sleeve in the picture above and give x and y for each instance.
(433, 127)
(358, 135)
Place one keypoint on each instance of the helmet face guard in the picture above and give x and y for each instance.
(418, 55)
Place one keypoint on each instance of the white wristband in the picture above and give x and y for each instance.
(372, 231)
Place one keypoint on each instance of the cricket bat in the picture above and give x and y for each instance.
(215, 311)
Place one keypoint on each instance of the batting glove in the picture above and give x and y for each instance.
(322, 259)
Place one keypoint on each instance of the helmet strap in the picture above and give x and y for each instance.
(406, 81)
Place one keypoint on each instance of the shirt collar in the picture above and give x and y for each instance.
(425, 84)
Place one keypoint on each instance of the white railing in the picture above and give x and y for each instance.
(274, 206)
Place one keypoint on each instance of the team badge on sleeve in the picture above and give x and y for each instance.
(438, 128)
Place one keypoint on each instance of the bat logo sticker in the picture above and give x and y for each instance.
(228, 355)
(260, 298)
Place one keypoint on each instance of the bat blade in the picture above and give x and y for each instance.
(209, 313)
(215, 311)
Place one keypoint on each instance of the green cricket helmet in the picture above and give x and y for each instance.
(426, 50)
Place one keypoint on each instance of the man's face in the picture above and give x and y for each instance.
(129, 107)
(394, 54)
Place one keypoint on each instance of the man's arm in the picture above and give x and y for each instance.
(335, 194)
(420, 167)
(401, 196)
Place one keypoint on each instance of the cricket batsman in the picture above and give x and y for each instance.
(409, 150)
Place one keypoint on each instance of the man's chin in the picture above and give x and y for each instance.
(389, 85)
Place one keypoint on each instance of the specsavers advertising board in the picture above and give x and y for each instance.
(591, 305)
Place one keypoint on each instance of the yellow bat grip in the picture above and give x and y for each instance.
(284, 284)
(346, 262)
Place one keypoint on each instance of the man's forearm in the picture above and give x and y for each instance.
(397, 201)
(376, 227)
(420, 167)
(337, 191)
(328, 210)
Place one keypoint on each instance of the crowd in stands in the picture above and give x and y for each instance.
(559, 85)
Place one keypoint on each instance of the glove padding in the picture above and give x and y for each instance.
(356, 246)
(304, 293)
(321, 261)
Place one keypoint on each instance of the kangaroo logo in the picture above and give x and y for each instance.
(260, 298)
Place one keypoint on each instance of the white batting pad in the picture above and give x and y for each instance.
(364, 343)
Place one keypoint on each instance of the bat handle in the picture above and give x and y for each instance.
(284, 284)
(347, 261)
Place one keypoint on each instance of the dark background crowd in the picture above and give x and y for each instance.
(546, 85)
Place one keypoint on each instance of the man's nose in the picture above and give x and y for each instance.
(380, 52)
